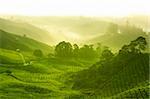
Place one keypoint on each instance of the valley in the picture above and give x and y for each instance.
(103, 60)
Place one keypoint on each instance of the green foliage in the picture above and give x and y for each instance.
(70, 74)
(42, 79)
(64, 49)
(87, 52)
(10, 57)
(141, 92)
(13, 42)
(136, 46)
(124, 35)
(114, 75)
(26, 29)
(106, 55)
(38, 53)
(75, 51)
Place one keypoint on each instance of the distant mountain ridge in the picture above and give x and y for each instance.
(116, 40)
(78, 29)
(69, 28)
(27, 29)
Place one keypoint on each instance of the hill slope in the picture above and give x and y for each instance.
(124, 36)
(115, 76)
(22, 28)
(126, 73)
(13, 42)
(43, 79)
(70, 28)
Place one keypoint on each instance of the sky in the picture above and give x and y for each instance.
(75, 7)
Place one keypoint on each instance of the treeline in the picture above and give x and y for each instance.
(118, 34)
(67, 50)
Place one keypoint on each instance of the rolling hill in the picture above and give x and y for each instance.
(116, 77)
(70, 28)
(22, 28)
(12, 42)
(78, 29)
(43, 79)
(116, 40)
(123, 76)
(77, 24)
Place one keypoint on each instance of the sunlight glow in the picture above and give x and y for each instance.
(74, 7)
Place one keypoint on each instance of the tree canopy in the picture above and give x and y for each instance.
(64, 49)
(136, 46)
(38, 53)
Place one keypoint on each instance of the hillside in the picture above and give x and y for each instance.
(141, 21)
(12, 42)
(23, 28)
(124, 75)
(114, 77)
(9, 57)
(80, 25)
(85, 70)
(69, 28)
(116, 40)
(85, 29)
(88, 29)
(43, 79)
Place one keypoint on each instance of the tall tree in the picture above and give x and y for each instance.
(38, 53)
(87, 51)
(64, 49)
(136, 46)
(75, 50)
(106, 55)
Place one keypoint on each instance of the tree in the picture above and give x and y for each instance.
(64, 49)
(140, 43)
(51, 55)
(98, 49)
(136, 46)
(106, 55)
(87, 51)
(75, 50)
(38, 53)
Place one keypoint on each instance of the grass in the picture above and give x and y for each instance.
(53, 79)
(44, 78)
(8, 56)
(24, 44)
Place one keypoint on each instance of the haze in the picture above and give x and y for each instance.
(74, 7)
